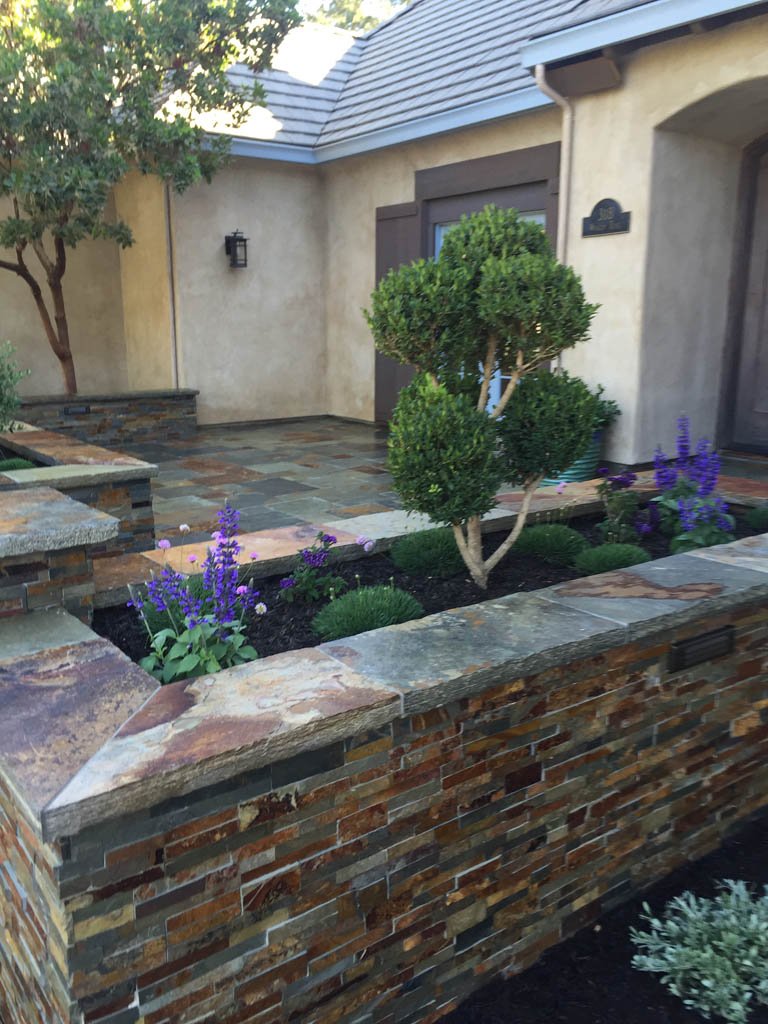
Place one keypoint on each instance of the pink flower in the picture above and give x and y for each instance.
(368, 546)
(163, 544)
(561, 487)
(192, 558)
(241, 590)
(253, 555)
(217, 535)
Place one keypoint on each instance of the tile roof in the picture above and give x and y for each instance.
(433, 59)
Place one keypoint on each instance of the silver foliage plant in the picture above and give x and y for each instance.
(712, 953)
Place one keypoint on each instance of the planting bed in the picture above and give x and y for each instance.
(589, 979)
(287, 627)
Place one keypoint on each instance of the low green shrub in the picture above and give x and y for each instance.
(8, 465)
(712, 953)
(757, 518)
(607, 557)
(10, 375)
(553, 542)
(364, 609)
(428, 553)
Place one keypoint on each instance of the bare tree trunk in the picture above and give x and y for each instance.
(470, 544)
(63, 348)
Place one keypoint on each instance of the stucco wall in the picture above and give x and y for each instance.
(354, 190)
(252, 340)
(658, 338)
(92, 296)
(145, 281)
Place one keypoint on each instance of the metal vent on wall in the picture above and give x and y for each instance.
(698, 649)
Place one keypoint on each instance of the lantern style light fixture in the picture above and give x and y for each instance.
(236, 247)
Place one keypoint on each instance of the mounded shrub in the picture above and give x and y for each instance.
(757, 518)
(607, 557)
(428, 553)
(712, 953)
(8, 465)
(553, 542)
(364, 609)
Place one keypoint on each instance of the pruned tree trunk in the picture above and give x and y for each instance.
(57, 327)
(469, 539)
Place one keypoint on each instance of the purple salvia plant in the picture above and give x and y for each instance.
(683, 441)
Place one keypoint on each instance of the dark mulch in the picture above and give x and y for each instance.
(288, 626)
(589, 979)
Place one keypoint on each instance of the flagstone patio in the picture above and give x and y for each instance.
(277, 475)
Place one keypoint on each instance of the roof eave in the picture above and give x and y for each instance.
(625, 26)
(518, 102)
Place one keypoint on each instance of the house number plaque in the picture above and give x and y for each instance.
(607, 218)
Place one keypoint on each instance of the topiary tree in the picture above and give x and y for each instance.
(91, 88)
(496, 301)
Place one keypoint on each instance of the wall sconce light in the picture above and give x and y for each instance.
(236, 247)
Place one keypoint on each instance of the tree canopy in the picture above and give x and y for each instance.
(92, 88)
(356, 15)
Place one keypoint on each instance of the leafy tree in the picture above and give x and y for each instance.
(90, 89)
(356, 15)
(495, 301)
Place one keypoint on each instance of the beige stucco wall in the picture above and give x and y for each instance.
(252, 340)
(145, 284)
(658, 339)
(354, 189)
(92, 297)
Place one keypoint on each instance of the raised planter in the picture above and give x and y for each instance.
(117, 420)
(108, 481)
(371, 829)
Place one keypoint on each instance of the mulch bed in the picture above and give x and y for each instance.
(287, 627)
(589, 979)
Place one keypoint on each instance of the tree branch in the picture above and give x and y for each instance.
(522, 515)
(514, 380)
(44, 258)
(490, 359)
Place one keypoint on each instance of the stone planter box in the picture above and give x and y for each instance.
(108, 481)
(118, 420)
(369, 830)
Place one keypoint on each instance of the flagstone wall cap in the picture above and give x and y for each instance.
(207, 730)
(41, 519)
(53, 449)
(119, 396)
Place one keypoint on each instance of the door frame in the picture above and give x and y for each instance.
(734, 336)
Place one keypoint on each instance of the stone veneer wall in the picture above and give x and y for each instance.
(33, 950)
(384, 876)
(116, 420)
(130, 502)
(48, 579)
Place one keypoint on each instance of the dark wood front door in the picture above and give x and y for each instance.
(750, 412)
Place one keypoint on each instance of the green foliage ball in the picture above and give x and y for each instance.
(547, 425)
(552, 542)
(428, 553)
(442, 454)
(364, 609)
(608, 557)
(712, 953)
(757, 518)
(8, 465)
(10, 376)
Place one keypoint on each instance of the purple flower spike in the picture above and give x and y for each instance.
(328, 538)
(683, 440)
(287, 583)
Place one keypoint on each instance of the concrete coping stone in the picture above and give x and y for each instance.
(41, 519)
(108, 397)
(65, 477)
(203, 731)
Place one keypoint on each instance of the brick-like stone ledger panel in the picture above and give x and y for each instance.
(384, 877)
(49, 579)
(33, 949)
(119, 420)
